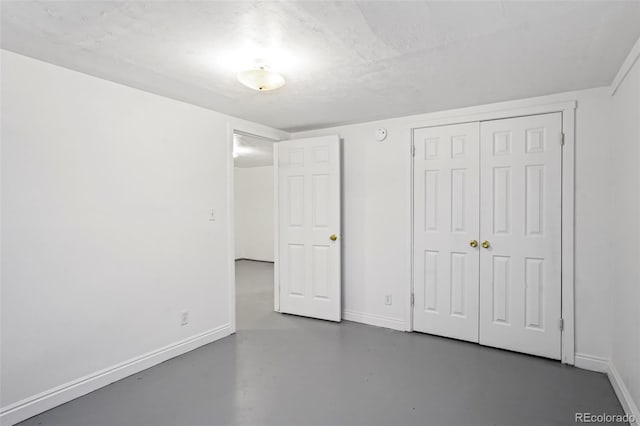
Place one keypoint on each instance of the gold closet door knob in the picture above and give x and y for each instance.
(333, 237)
(473, 243)
(485, 244)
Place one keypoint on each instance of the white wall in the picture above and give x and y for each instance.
(106, 237)
(376, 222)
(624, 218)
(254, 213)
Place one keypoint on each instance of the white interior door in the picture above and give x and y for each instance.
(520, 280)
(446, 222)
(308, 182)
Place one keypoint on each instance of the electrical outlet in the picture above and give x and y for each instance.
(184, 318)
(388, 300)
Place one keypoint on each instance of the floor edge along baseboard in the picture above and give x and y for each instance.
(372, 319)
(253, 260)
(51, 398)
(606, 366)
(622, 392)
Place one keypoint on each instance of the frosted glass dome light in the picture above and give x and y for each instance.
(261, 79)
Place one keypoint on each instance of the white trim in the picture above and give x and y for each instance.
(521, 108)
(628, 405)
(495, 111)
(48, 399)
(276, 230)
(568, 235)
(376, 320)
(592, 363)
(628, 63)
(408, 317)
(231, 228)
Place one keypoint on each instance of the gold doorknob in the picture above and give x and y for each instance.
(333, 237)
(473, 243)
(485, 244)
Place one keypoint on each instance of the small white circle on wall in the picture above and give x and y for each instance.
(381, 134)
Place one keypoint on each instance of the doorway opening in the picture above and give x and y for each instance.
(253, 219)
(284, 205)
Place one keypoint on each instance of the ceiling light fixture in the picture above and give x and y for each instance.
(261, 79)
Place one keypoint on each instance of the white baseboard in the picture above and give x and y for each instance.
(46, 400)
(371, 319)
(602, 365)
(592, 363)
(628, 405)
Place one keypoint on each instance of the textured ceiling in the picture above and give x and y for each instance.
(344, 61)
(251, 151)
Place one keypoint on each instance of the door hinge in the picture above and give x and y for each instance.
(413, 150)
(561, 324)
(413, 299)
(562, 139)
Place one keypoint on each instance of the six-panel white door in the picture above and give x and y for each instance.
(520, 219)
(499, 183)
(308, 245)
(446, 203)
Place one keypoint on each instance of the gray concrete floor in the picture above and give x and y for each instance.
(285, 370)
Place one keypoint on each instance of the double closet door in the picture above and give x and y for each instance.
(487, 232)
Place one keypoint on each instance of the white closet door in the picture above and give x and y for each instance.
(446, 221)
(520, 282)
(309, 227)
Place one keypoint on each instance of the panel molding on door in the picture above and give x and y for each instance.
(309, 255)
(521, 214)
(446, 221)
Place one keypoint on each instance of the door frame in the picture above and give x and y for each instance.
(276, 230)
(513, 110)
(256, 131)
